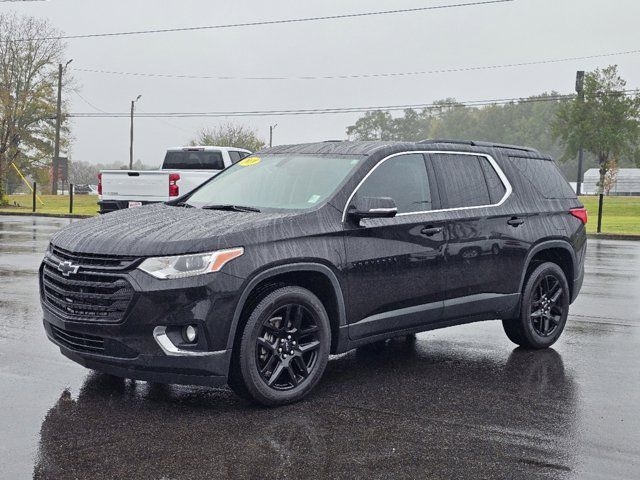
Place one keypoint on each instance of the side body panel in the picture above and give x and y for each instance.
(482, 265)
(394, 274)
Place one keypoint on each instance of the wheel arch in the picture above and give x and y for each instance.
(327, 288)
(559, 252)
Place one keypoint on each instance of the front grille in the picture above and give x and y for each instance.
(102, 262)
(78, 341)
(97, 292)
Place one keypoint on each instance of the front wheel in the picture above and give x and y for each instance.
(284, 348)
(544, 309)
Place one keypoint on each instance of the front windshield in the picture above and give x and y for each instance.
(277, 181)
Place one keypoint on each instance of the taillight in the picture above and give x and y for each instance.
(174, 189)
(580, 213)
(99, 184)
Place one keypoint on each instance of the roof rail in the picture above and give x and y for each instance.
(475, 143)
(442, 140)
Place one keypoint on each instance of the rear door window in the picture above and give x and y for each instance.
(404, 179)
(461, 179)
(193, 160)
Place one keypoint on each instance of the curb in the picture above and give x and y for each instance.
(46, 215)
(614, 236)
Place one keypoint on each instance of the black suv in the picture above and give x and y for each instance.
(302, 251)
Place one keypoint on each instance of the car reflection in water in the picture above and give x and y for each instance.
(406, 408)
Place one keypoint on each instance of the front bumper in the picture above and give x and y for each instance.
(132, 348)
(210, 370)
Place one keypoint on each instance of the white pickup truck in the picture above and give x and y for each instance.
(183, 170)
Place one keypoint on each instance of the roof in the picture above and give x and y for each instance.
(334, 147)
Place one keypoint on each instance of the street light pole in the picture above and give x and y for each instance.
(271, 129)
(56, 144)
(133, 106)
(580, 92)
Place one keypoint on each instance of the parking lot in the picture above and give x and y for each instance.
(455, 403)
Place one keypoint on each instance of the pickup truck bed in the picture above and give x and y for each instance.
(183, 169)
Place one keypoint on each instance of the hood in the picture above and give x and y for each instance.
(160, 229)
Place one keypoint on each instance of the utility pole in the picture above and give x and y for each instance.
(271, 129)
(56, 145)
(580, 92)
(133, 106)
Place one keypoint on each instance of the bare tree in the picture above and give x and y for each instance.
(610, 176)
(28, 81)
(229, 135)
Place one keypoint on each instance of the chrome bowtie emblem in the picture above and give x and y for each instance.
(68, 268)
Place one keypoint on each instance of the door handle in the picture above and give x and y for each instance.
(430, 231)
(515, 221)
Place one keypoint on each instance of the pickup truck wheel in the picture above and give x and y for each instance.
(544, 309)
(284, 348)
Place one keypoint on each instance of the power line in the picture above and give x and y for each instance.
(161, 120)
(89, 103)
(361, 75)
(325, 111)
(318, 110)
(270, 22)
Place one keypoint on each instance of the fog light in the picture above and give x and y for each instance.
(190, 333)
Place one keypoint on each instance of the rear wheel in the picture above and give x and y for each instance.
(284, 348)
(544, 308)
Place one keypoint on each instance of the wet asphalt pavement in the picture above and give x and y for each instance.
(455, 403)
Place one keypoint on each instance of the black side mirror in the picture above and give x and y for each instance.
(372, 207)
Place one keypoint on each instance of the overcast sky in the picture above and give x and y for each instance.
(524, 30)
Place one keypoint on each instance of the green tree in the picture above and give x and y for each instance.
(523, 122)
(606, 123)
(376, 125)
(229, 135)
(28, 76)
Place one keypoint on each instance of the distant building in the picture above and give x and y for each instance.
(627, 182)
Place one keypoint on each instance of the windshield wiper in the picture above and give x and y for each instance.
(183, 204)
(231, 208)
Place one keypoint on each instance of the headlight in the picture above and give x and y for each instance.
(181, 266)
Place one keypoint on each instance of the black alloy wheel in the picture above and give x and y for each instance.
(544, 308)
(546, 305)
(283, 348)
(287, 347)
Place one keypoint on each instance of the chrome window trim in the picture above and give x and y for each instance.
(494, 164)
(384, 210)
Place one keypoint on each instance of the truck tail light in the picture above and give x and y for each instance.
(99, 184)
(580, 213)
(174, 189)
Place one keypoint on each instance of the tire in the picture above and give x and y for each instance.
(289, 319)
(544, 308)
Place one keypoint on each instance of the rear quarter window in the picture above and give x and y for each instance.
(495, 185)
(544, 176)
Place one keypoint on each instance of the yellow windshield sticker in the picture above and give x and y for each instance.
(249, 161)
